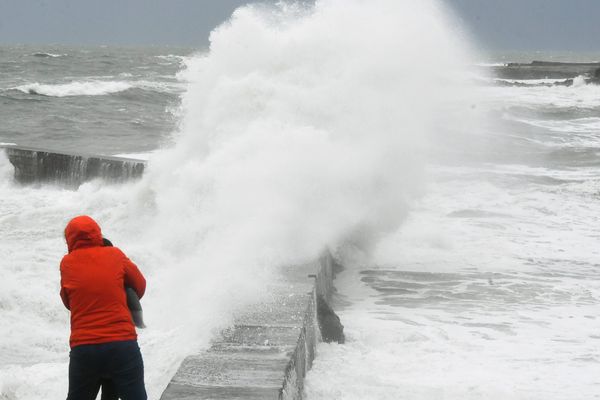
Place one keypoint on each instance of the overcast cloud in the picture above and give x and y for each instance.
(496, 24)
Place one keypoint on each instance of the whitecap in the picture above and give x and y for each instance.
(85, 88)
(48, 55)
(489, 64)
(579, 81)
(135, 156)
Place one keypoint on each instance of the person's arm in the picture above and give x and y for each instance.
(65, 298)
(63, 292)
(133, 277)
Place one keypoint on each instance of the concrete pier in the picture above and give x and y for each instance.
(268, 351)
(67, 169)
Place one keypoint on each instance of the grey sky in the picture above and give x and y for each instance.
(533, 24)
(496, 24)
(173, 22)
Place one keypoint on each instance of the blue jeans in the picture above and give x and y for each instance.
(119, 362)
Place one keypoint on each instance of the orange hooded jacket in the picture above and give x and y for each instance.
(92, 286)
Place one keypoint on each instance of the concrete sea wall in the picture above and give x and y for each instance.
(269, 349)
(67, 169)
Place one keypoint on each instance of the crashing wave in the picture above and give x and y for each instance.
(578, 81)
(97, 88)
(89, 88)
(527, 82)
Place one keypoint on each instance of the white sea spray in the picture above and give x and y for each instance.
(301, 129)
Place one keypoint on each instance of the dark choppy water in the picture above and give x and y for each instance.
(103, 100)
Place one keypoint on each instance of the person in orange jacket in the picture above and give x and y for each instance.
(103, 337)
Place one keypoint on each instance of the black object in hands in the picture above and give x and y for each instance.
(133, 300)
(135, 307)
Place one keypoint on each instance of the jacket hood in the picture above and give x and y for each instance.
(82, 232)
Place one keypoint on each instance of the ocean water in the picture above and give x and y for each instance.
(489, 289)
(90, 99)
(462, 199)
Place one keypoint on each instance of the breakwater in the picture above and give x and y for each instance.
(269, 349)
(68, 169)
(547, 70)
